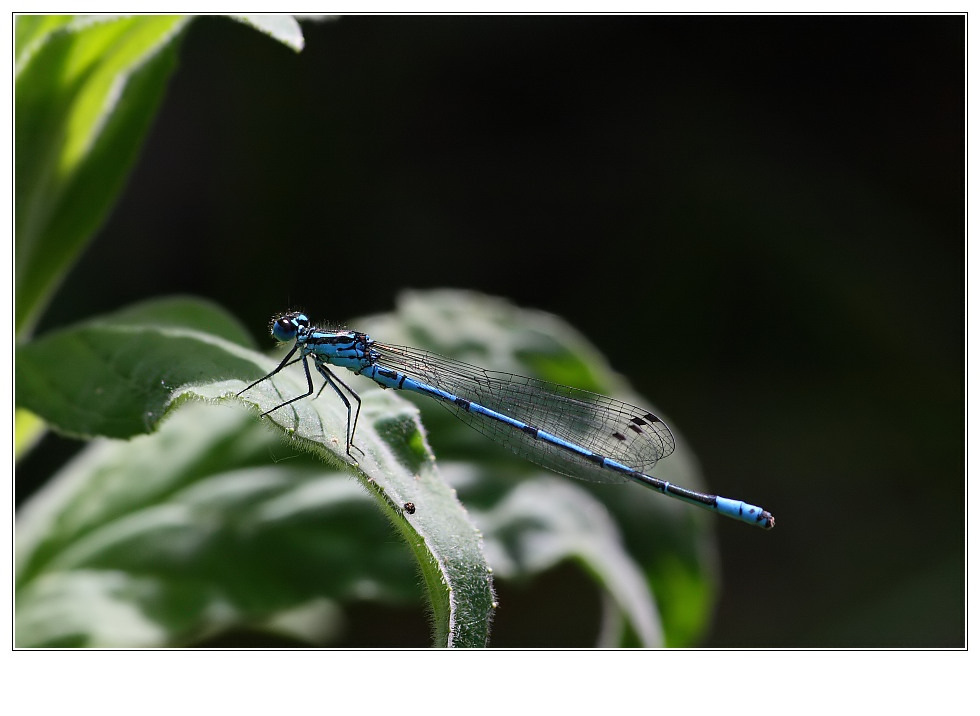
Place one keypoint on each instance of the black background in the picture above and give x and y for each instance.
(762, 217)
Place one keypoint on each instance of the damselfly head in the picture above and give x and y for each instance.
(285, 327)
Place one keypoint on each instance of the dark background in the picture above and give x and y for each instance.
(777, 203)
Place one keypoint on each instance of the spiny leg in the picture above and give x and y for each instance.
(332, 380)
(283, 364)
(309, 382)
(357, 413)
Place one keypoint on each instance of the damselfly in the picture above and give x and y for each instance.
(570, 431)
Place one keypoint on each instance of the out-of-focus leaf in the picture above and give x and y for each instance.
(544, 520)
(168, 538)
(28, 430)
(280, 27)
(31, 30)
(86, 91)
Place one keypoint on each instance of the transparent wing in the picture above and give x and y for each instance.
(633, 436)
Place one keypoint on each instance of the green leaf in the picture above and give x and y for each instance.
(123, 529)
(113, 376)
(31, 30)
(28, 431)
(169, 538)
(670, 543)
(395, 462)
(86, 91)
(547, 519)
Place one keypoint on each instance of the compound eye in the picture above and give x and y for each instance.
(284, 328)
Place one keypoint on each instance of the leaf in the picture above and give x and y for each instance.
(395, 462)
(279, 27)
(86, 91)
(31, 30)
(168, 508)
(672, 544)
(545, 520)
(113, 376)
(181, 548)
(28, 431)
